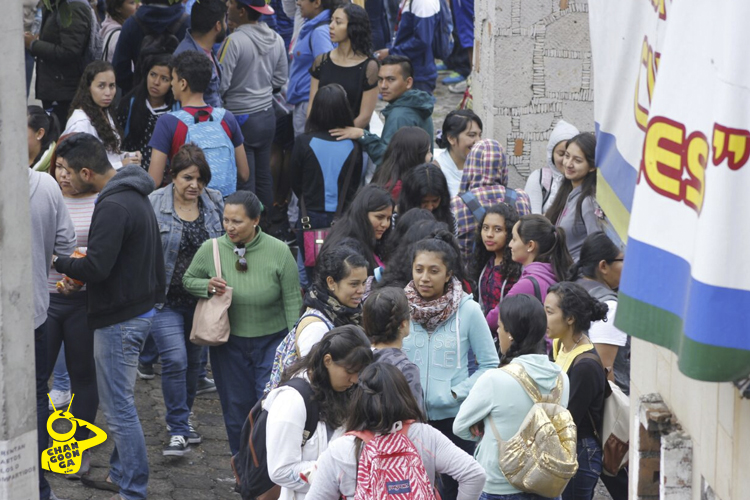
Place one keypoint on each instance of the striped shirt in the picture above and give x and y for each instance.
(81, 210)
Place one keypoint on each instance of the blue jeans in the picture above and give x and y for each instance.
(61, 380)
(149, 353)
(180, 361)
(514, 496)
(582, 485)
(242, 368)
(116, 350)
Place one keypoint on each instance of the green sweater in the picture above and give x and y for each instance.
(266, 298)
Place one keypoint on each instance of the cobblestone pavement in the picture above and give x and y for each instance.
(204, 473)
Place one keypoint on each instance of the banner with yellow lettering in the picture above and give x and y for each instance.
(672, 112)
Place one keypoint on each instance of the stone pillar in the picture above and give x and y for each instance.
(532, 67)
(18, 447)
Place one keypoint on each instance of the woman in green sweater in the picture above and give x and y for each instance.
(266, 303)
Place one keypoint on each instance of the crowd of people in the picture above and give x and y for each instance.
(221, 151)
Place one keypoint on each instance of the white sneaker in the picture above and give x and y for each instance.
(59, 398)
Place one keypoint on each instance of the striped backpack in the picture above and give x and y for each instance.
(390, 468)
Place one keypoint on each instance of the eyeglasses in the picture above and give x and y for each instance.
(241, 264)
(617, 260)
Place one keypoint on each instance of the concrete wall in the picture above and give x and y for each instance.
(712, 415)
(532, 67)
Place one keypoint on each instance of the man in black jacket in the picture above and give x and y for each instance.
(124, 272)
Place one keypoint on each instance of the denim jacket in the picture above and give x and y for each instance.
(170, 224)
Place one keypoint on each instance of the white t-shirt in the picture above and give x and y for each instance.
(311, 335)
(450, 170)
(605, 332)
(79, 121)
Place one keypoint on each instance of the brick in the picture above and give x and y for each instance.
(648, 441)
(648, 477)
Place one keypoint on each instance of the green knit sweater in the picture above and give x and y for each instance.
(266, 298)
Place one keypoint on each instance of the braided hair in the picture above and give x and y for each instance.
(383, 313)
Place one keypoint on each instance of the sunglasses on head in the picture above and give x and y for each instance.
(241, 264)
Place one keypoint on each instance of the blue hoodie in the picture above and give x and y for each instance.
(442, 357)
(211, 95)
(414, 36)
(156, 17)
(313, 40)
(499, 396)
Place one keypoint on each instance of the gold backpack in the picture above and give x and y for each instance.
(541, 457)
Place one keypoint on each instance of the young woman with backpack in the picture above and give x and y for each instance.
(382, 404)
(446, 326)
(332, 300)
(425, 186)
(575, 205)
(570, 312)
(540, 248)
(499, 399)
(141, 107)
(332, 368)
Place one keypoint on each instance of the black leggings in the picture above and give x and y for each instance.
(448, 487)
(66, 322)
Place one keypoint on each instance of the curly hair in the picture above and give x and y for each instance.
(576, 302)
(358, 29)
(426, 180)
(383, 313)
(101, 118)
(508, 268)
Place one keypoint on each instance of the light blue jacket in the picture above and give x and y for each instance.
(442, 357)
(313, 40)
(170, 224)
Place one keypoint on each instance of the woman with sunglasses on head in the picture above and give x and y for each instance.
(188, 214)
(265, 305)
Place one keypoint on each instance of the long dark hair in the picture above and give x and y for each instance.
(138, 111)
(550, 240)
(509, 269)
(398, 271)
(355, 222)
(426, 180)
(587, 143)
(575, 302)
(36, 119)
(350, 349)
(407, 149)
(99, 116)
(330, 109)
(456, 122)
(381, 398)
(596, 247)
(404, 223)
(358, 28)
(445, 245)
(524, 318)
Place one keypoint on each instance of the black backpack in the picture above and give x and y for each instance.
(250, 464)
(154, 43)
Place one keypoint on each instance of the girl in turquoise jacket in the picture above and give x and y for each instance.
(446, 325)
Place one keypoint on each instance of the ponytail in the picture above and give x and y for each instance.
(550, 240)
(596, 247)
(36, 119)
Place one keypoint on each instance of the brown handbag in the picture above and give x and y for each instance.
(211, 319)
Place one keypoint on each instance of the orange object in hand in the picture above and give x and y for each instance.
(77, 254)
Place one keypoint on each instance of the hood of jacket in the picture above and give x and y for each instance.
(542, 271)
(130, 177)
(597, 290)
(159, 17)
(310, 24)
(262, 37)
(485, 166)
(418, 100)
(563, 131)
(108, 26)
(541, 369)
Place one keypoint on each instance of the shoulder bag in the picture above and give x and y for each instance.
(211, 320)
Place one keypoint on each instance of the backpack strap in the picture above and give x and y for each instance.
(472, 203)
(105, 52)
(127, 122)
(365, 436)
(185, 117)
(217, 114)
(527, 383)
(311, 405)
(545, 181)
(537, 290)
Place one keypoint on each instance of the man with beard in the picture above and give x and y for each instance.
(124, 271)
(207, 28)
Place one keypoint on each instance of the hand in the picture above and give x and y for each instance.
(477, 430)
(217, 286)
(352, 133)
(382, 54)
(28, 38)
(132, 159)
(68, 286)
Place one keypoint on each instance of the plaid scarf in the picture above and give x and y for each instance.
(435, 312)
(338, 313)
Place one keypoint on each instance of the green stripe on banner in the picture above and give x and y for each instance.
(695, 360)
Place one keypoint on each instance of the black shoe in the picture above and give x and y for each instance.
(99, 485)
(146, 372)
(192, 437)
(205, 385)
(177, 447)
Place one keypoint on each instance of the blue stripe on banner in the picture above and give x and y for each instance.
(620, 175)
(712, 315)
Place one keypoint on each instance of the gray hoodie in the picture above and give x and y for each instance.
(398, 358)
(577, 225)
(52, 232)
(253, 63)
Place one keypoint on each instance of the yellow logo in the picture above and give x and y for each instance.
(64, 457)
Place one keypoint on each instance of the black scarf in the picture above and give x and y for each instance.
(328, 304)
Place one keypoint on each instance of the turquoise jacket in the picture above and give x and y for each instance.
(442, 357)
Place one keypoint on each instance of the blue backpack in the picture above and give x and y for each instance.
(442, 44)
(211, 137)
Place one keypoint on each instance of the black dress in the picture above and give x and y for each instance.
(356, 80)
